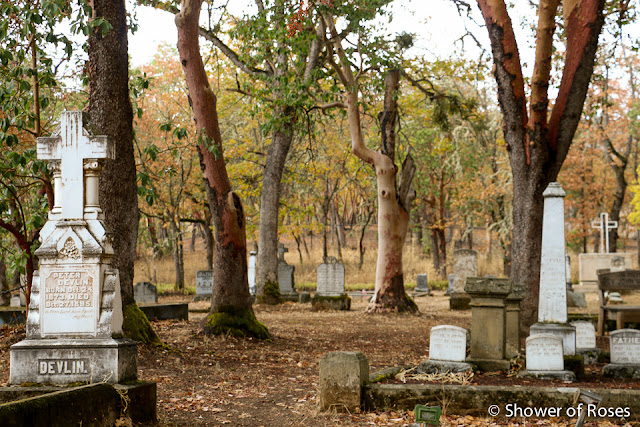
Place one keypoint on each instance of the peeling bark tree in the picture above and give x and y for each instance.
(393, 201)
(538, 144)
(231, 310)
(111, 114)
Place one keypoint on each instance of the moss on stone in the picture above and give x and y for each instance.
(271, 294)
(235, 322)
(137, 327)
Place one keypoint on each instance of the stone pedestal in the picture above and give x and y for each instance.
(512, 318)
(342, 375)
(488, 322)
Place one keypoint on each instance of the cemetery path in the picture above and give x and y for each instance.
(219, 381)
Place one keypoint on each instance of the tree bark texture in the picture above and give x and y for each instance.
(231, 310)
(537, 147)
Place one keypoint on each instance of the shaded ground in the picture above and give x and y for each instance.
(227, 381)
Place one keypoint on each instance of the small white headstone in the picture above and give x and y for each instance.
(585, 335)
(625, 346)
(15, 301)
(544, 353)
(448, 343)
(330, 278)
(252, 272)
(204, 282)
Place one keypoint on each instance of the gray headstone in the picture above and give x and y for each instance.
(625, 346)
(252, 272)
(422, 284)
(585, 335)
(449, 290)
(145, 293)
(286, 278)
(448, 343)
(330, 278)
(204, 282)
(544, 353)
(465, 264)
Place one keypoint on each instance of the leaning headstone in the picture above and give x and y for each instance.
(545, 358)
(465, 264)
(252, 272)
(625, 354)
(586, 341)
(75, 306)
(552, 302)
(422, 285)
(330, 292)
(204, 285)
(447, 350)
(145, 293)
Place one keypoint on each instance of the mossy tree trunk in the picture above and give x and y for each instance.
(231, 310)
(111, 114)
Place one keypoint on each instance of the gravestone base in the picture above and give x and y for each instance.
(68, 361)
(590, 355)
(459, 301)
(548, 375)
(170, 311)
(618, 370)
(331, 302)
(420, 293)
(443, 366)
(203, 297)
(576, 299)
(490, 365)
(290, 296)
(304, 297)
(565, 331)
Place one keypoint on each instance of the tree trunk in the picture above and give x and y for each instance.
(268, 290)
(111, 114)
(5, 296)
(178, 254)
(231, 311)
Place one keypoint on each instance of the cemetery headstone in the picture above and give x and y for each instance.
(545, 358)
(552, 303)
(625, 354)
(586, 341)
(145, 293)
(23, 288)
(465, 264)
(204, 285)
(589, 264)
(604, 225)
(330, 293)
(15, 301)
(252, 272)
(422, 285)
(75, 306)
(286, 276)
(447, 350)
(449, 290)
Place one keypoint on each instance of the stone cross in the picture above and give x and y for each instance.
(604, 225)
(281, 251)
(72, 150)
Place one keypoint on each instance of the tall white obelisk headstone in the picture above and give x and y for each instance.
(552, 303)
(75, 314)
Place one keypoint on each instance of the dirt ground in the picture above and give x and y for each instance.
(215, 381)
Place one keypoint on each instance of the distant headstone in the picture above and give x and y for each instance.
(422, 285)
(589, 264)
(447, 350)
(552, 302)
(330, 277)
(286, 276)
(145, 293)
(585, 335)
(545, 358)
(204, 284)
(252, 272)
(15, 301)
(465, 264)
(625, 354)
(23, 288)
(450, 284)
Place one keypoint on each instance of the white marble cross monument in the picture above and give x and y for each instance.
(604, 225)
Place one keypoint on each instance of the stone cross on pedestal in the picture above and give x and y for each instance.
(74, 158)
(281, 251)
(604, 225)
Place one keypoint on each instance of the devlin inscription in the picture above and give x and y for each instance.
(62, 366)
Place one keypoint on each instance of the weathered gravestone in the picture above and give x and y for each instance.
(422, 285)
(465, 264)
(145, 293)
(75, 307)
(204, 285)
(447, 350)
(286, 278)
(451, 279)
(552, 303)
(330, 292)
(586, 341)
(252, 272)
(625, 354)
(545, 358)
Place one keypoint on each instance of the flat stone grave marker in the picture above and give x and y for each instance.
(625, 346)
(204, 284)
(448, 343)
(585, 335)
(544, 353)
(145, 293)
(330, 278)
